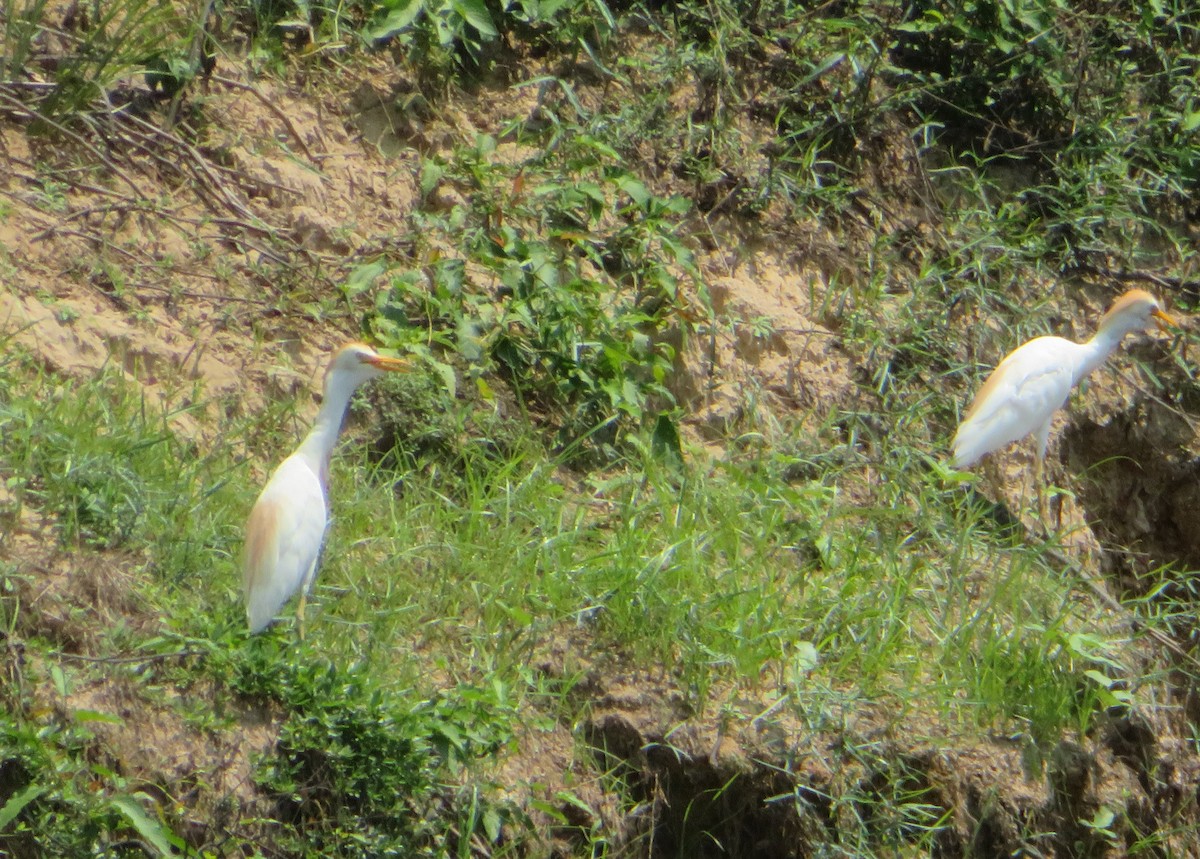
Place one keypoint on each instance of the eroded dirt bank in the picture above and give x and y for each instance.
(201, 267)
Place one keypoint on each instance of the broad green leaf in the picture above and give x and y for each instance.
(448, 377)
(17, 802)
(446, 34)
(679, 205)
(451, 734)
(631, 396)
(485, 144)
(1102, 819)
(1006, 45)
(475, 13)
(362, 278)
(431, 174)
(518, 615)
(598, 146)
(470, 344)
(152, 831)
(551, 810)
(60, 680)
(569, 798)
(635, 189)
(591, 190)
(402, 15)
(664, 443)
(491, 824)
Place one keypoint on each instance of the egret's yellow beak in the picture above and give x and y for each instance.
(391, 365)
(1163, 319)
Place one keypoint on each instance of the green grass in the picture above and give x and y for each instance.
(521, 517)
(437, 597)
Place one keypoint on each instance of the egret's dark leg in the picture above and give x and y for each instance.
(300, 613)
(1039, 473)
(1039, 477)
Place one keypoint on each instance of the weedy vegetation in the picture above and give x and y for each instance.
(531, 519)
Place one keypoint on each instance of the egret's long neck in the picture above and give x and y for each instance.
(1096, 351)
(317, 447)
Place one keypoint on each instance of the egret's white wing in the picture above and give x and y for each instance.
(283, 539)
(1018, 398)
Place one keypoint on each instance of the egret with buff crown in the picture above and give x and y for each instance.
(287, 524)
(1033, 382)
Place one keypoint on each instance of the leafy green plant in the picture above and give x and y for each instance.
(97, 48)
(991, 65)
(465, 22)
(56, 799)
(356, 765)
(473, 592)
(470, 26)
(22, 24)
(569, 291)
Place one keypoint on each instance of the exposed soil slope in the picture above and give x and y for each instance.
(206, 264)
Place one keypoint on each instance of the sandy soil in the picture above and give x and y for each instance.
(175, 272)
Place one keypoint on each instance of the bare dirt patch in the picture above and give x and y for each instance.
(143, 734)
(176, 276)
(766, 785)
(199, 767)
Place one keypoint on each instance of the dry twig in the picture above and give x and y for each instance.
(21, 109)
(275, 109)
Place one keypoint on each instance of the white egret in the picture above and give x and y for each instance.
(1033, 382)
(287, 525)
